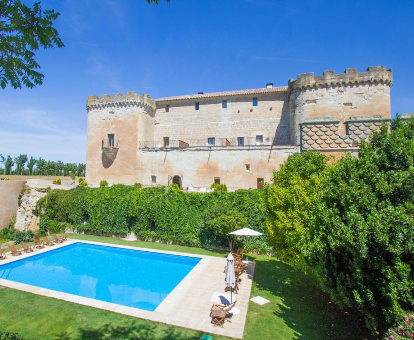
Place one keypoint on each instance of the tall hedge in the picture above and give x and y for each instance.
(161, 213)
(362, 242)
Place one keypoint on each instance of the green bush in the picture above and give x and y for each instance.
(291, 203)
(80, 180)
(405, 330)
(57, 181)
(219, 187)
(361, 244)
(11, 234)
(103, 183)
(83, 183)
(138, 185)
(156, 213)
(175, 186)
(10, 336)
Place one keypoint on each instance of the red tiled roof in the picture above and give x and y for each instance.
(224, 94)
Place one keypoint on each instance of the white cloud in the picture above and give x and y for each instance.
(37, 133)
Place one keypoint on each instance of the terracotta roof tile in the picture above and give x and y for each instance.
(224, 94)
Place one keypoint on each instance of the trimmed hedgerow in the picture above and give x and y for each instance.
(158, 213)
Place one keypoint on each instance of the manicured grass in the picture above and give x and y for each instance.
(298, 309)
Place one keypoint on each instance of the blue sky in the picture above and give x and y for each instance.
(186, 46)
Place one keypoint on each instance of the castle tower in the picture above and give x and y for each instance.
(337, 100)
(116, 125)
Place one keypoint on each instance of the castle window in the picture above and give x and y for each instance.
(224, 104)
(111, 140)
(216, 180)
(254, 101)
(247, 167)
(240, 141)
(153, 179)
(167, 108)
(259, 139)
(211, 141)
(166, 141)
(197, 106)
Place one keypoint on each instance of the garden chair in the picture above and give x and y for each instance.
(57, 239)
(64, 237)
(47, 241)
(2, 253)
(38, 244)
(14, 250)
(219, 313)
(26, 248)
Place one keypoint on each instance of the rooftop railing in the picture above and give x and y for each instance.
(210, 142)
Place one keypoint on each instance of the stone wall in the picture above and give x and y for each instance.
(25, 217)
(9, 194)
(198, 167)
(270, 118)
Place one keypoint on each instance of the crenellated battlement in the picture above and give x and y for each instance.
(351, 76)
(131, 99)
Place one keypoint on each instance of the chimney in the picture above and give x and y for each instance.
(269, 85)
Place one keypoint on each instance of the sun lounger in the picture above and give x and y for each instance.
(57, 239)
(14, 250)
(26, 248)
(47, 241)
(64, 237)
(38, 244)
(2, 253)
(219, 313)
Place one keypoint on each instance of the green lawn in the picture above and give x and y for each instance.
(298, 309)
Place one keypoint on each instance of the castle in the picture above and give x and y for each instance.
(233, 137)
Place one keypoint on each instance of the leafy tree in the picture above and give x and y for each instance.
(222, 222)
(8, 165)
(3, 160)
(24, 30)
(20, 162)
(31, 164)
(291, 201)
(361, 244)
(41, 165)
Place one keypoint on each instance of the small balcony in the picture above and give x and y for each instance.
(110, 144)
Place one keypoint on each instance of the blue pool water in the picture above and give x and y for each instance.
(126, 277)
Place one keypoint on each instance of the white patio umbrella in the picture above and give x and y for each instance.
(246, 232)
(230, 276)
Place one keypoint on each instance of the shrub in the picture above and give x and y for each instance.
(80, 180)
(83, 183)
(291, 202)
(138, 185)
(175, 186)
(362, 240)
(21, 236)
(103, 183)
(10, 336)
(222, 222)
(219, 187)
(57, 181)
(403, 331)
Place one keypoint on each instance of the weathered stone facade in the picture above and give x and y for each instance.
(235, 137)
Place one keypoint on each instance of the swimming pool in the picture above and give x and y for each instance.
(129, 277)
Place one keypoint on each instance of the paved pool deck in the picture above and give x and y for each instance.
(188, 305)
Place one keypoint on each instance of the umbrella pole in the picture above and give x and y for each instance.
(231, 295)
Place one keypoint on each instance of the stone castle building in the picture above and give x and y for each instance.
(234, 137)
